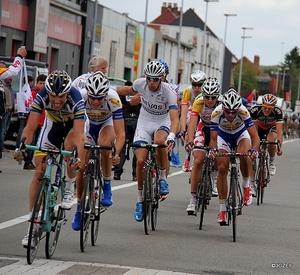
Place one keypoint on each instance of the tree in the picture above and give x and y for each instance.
(249, 81)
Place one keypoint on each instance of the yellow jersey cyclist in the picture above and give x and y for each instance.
(202, 108)
(189, 94)
(106, 126)
(65, 120)
(157, 123)
(268, 119)
(231, 125)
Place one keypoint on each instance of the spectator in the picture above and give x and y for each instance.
(9, 108)
(2, 108)
(130, 114)
(40, 83)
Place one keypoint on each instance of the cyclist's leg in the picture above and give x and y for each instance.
(223, 164)
(106, 138)
(143, 135)
(160, 137)
(272, 136)
(244, 145)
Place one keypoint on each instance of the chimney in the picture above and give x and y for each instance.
(164, 7)
(175, 9)
(256, 60)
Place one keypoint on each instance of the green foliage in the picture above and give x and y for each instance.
(249, 74)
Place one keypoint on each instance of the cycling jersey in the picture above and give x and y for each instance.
(111, 108)
(57, 124)
(13, 69)
(188, 96)
(154, 113)
(79, 82)
(157, 103)
(200, 109)
(266, 122)
(240, 123)
(73, 109)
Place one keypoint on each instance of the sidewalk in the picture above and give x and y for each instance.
(16, 266)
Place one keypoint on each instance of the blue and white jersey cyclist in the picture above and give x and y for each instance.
(157, 123)
(231, 125)
(65, 121)
(104, 111)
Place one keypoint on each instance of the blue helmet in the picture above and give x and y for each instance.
(165, 64)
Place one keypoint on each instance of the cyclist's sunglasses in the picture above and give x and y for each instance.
(99, 98)
(197, 85)
(153, 79)
(268, 107)
(230, 112)
(210, 97)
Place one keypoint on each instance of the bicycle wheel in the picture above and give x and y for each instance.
(259, 181)
(205, 184)
(96, 213)
(35, 229)
(264, 181)
(147, 201)
(86, 207)
(58, 218)
(233, 208)
(155, 202)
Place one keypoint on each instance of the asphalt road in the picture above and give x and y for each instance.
(268, 237)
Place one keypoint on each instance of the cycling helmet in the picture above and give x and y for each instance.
(198, 76)
(97, 84)
(154, 69)
(165, 64)
(269, 99)
(231, 100)
(211, 87)
(58, 83)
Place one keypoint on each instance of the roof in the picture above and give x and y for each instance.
(166, 18)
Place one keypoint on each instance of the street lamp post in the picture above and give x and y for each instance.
(144, 39)
(283, 79)
(179, 43)
(203, 55)
(226, 14)
(241, 61)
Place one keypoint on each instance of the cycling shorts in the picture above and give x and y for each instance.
(227, 141)
(95, 130)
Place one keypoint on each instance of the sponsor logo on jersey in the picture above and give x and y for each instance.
(215, 114)
(115, 102)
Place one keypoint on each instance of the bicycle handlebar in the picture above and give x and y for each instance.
(266, 142)
(147, 146)
(90, 147)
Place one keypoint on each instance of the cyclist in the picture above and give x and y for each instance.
(203, 108)
(158, 121)
(65, 120)
(269, 124)
(104, 111)
(231, 125)
(189, 94)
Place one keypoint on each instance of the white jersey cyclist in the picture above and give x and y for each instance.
(230, 130)
(110, 110)
(155, 108)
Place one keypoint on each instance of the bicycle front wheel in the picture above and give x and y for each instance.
(36, 220)
(147, 201)
(96, 213)
(58, 218)
(205, 183)
(234, 206)
(86, 208)
(259, 181)
(155, 202)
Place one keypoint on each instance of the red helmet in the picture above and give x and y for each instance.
(269, 99)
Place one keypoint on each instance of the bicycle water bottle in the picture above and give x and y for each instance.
(54, 191)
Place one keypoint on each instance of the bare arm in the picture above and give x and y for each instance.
(125, 90)
(120, 134)
(31, 126)
(183, 118)
(135, 100)
(254, 137)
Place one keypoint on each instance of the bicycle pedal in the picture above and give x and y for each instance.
(223, 224)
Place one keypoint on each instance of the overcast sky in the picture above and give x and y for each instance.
(275, 23)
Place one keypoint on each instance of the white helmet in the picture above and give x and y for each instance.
(231, 100)
(97, 84)
(211, 87)
(154, 69)
(198, 76)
